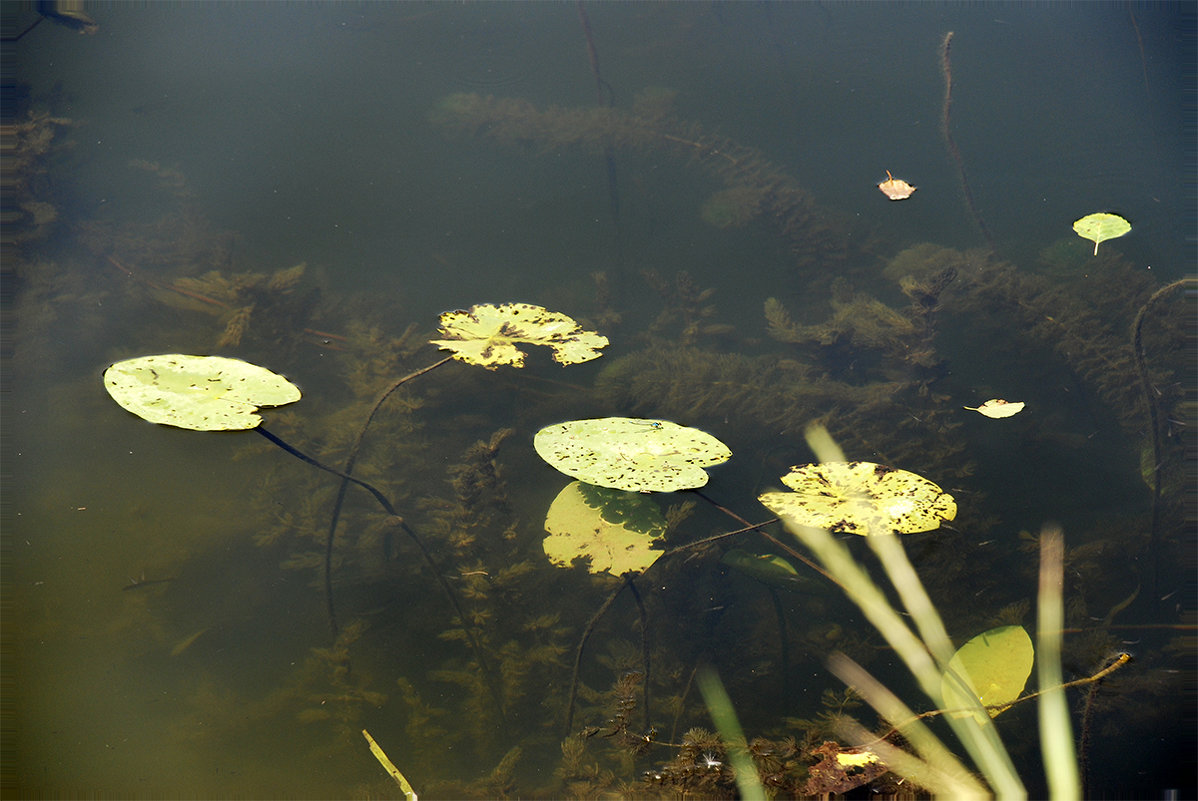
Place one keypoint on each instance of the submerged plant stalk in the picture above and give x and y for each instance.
(1056, 732)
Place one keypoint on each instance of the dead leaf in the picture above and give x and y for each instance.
(896, 188)
(997, 408)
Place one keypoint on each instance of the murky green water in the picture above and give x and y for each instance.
(166, 630)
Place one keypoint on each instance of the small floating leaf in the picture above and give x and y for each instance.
(995, 664)
(896, 188)
(1101, 227)
(997, 408)
(614, 529)
(486, 335)
(628, 453)
(861, 498)
(201, 393)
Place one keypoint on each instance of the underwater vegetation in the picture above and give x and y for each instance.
(478, 658)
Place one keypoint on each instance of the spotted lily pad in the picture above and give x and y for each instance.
(861, 498)
(614, 529)
(995, 664)
(629, 453)
(486, 335)
(201, 393)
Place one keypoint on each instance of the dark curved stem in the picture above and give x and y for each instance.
(330, 537)
(640, 606)
(582, 643)
(347, 476)
(303, 457)
(1137, 342)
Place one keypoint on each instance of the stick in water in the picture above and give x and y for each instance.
(947, 67)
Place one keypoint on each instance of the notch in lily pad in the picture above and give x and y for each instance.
(200, 393)
(630, 453)
(860, 498)
(487, 335)
(1101, 227)
(208, 393)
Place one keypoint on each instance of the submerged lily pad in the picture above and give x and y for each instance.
(768, 568)
(861, 498)
(201, 393)
(628, 453)
(995, 664)
(614, 529)
(486, 335)
(1101, 227)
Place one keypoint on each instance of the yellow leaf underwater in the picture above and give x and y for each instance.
(614, 529)
(995, 665)
(997, 408)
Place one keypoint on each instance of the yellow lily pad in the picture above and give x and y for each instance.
(1101, 227)
(995, 665)
(201, 393)
(633, 454)
(487, 335)
(614, 529)
(997, 408)
(861, 498)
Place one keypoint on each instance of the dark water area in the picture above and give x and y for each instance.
(308, 186)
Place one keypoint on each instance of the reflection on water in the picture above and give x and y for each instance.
(307, 186)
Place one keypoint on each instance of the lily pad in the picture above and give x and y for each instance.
(768, 568)
(614, 529)
(860, 498)
(486, 335)
(201, 393)
(1101, 227)
(628, 453)
(997, 408)
(995, 664)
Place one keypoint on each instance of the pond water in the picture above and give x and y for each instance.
(308, 186)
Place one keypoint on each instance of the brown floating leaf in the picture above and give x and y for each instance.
(896, 188)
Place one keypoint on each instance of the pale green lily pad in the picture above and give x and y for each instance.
(486, 335)
(860, 498)
(614, 529)
(768, 568)
(201, 393)
(995, 664)
(629, 453)
(1101, 227)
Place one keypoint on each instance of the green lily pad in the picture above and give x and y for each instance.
(201, 393)
(861, 498)
(1101, 227)
(768, 568)
(614, 529)
(628, 453)
(486, 335)
(995, 664)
